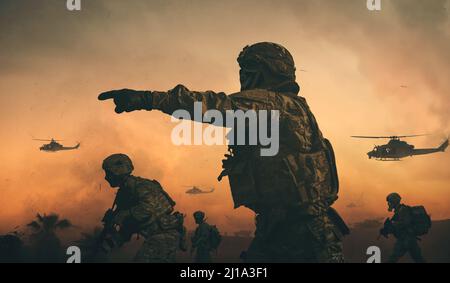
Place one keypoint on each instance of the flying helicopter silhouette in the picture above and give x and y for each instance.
(396, 149)
(194, 190)
(54, 146)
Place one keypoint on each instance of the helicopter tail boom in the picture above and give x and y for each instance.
(71, 147)
(422, 151)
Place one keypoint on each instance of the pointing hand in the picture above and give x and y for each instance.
(127, 100)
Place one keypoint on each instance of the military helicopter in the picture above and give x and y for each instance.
(54, 146)
(196, 190)
(396, 149)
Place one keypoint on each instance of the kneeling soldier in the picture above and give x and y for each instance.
(141, 207)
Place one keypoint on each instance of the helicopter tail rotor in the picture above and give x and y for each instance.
(443, 146)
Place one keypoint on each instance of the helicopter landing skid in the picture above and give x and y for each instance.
(388, 159)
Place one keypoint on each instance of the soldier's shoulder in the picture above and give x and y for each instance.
(140, 183)
(259, 95)
(210, 226)
(204, 226)
(273, 97)
(300, 99)
(404, 209)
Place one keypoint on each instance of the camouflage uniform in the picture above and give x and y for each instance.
(143, 207)
(400, 226)
(292, 192)
(150, 214)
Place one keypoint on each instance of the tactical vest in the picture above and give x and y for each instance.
(160, 218)
(306, 180)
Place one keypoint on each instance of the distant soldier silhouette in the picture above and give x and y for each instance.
(291, 192)
(205, 240)
(142, 207)
(406, 225)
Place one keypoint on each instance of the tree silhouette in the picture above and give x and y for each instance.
(45, 243)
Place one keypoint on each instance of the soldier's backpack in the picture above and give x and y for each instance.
(421, 221)
(214, 237)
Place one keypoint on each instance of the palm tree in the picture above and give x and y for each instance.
(46, 244)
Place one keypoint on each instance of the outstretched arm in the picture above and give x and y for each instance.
(181, 98)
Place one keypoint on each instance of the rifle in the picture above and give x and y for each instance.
(108, 232)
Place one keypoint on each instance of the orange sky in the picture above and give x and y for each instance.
(53, 64)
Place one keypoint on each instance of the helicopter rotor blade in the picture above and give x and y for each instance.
(387, 137)
(46, 140)
(369, 137)
(411, 136)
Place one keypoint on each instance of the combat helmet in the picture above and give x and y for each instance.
(199, 215)
(393, 200)
(266, 65)
(118, 164)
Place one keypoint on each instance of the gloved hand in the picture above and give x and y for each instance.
(128, 100)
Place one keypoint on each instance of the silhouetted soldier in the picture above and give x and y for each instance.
(291, 192)
(206, 238)
(143, 207)
(406, 224)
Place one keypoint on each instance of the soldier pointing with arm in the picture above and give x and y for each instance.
(291, 192)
